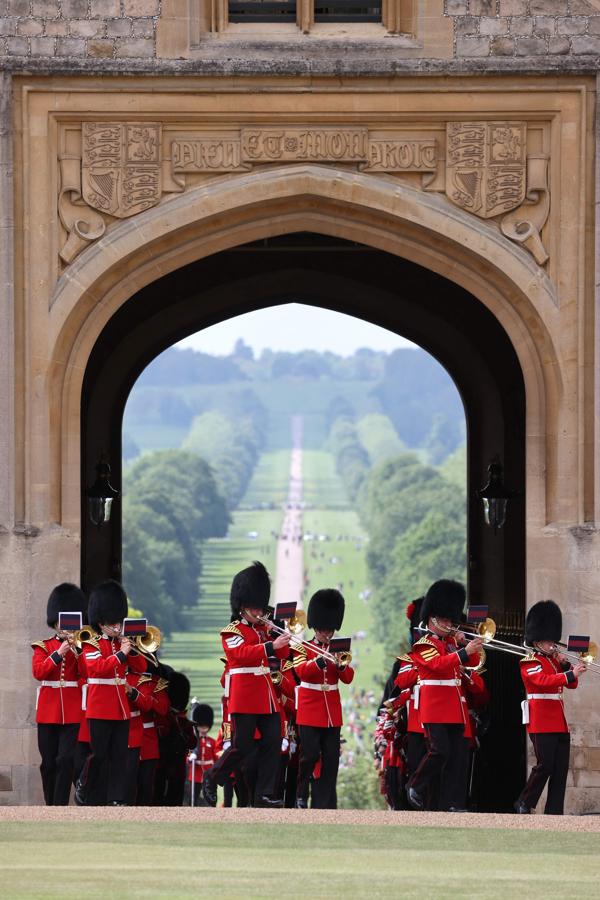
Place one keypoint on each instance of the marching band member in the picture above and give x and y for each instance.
(440, 699)
(545, 674)
(319, 710)
(252, 699)
(176, 739)
(56, 666)
(152, 701)
(108, 657)
(203, 756)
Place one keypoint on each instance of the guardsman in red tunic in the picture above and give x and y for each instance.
(204, 754)
(440, 700)
(152, 701)
(176, 739)
(108, 658)
(252, 700)
(319, 709)
(56, 666)
(545, 674)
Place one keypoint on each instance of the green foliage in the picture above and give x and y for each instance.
(358, 785)
(454, 467)
(171, 505)
(415, 388)
(178, 366)
(379, 438)
(351, 458)
(231, 441)
(129, 447)
(431, 549)
(444, 436)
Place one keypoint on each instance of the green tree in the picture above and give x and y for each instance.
(431, 549)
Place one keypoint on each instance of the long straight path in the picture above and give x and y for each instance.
(289, 578)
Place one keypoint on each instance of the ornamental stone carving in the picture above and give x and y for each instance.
(128, 167)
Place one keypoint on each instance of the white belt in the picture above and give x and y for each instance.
(148, 724)
(253, 670)
(135, 713)
(525, 704)
(59, 684)
(443, 682)
(107, 681)
(318, 687)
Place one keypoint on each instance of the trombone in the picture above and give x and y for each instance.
(295, 626)
(587, 657)
(486, 631)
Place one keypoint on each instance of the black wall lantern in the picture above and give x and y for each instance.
(495, 496)
(101, 495)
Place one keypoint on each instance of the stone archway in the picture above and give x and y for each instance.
(113, 292)
(350, 206)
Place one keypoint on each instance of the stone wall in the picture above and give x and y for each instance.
(97, 29)
(126, 29)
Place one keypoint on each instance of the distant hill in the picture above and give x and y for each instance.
(407, 386)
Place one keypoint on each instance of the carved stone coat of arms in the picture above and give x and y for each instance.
(121, 166)
(486, 166)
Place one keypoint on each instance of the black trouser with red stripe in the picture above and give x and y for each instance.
(446, 759)
(57, 749)
(552, 751)
(258, 759)
(105, 774)
(324, 744)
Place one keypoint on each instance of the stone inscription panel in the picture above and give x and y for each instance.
(304, 145)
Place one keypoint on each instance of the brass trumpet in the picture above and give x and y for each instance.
(78, 637)
(149, 642)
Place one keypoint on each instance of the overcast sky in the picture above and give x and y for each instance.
(294, 327)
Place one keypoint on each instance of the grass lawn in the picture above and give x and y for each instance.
(49, 860)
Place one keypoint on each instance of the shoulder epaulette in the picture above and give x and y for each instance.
(529, 658)
(144, 679)
(162, 684)
(232, 628)
(288, 664)
(405, 658)
(39, 644)
(424, 641)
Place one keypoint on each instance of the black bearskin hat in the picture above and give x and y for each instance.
(179, 690)
(250, 587)
(543, 622)
(326, 610)
(65, 597)
(415, 617)
(202, 714)
(445, 599)
(108, 604)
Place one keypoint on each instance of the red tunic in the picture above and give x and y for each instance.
(106, 668)
(153, 700)
(317, 696)
(440, 696)
(544, 680)
(248, 684)
(407, 680)
(477, 697)
(59, 694)
(206, 754)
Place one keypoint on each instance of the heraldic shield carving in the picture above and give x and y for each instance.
(121, 166)
(486, 166)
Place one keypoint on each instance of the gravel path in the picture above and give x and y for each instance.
(300, 817)
(290, 550)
